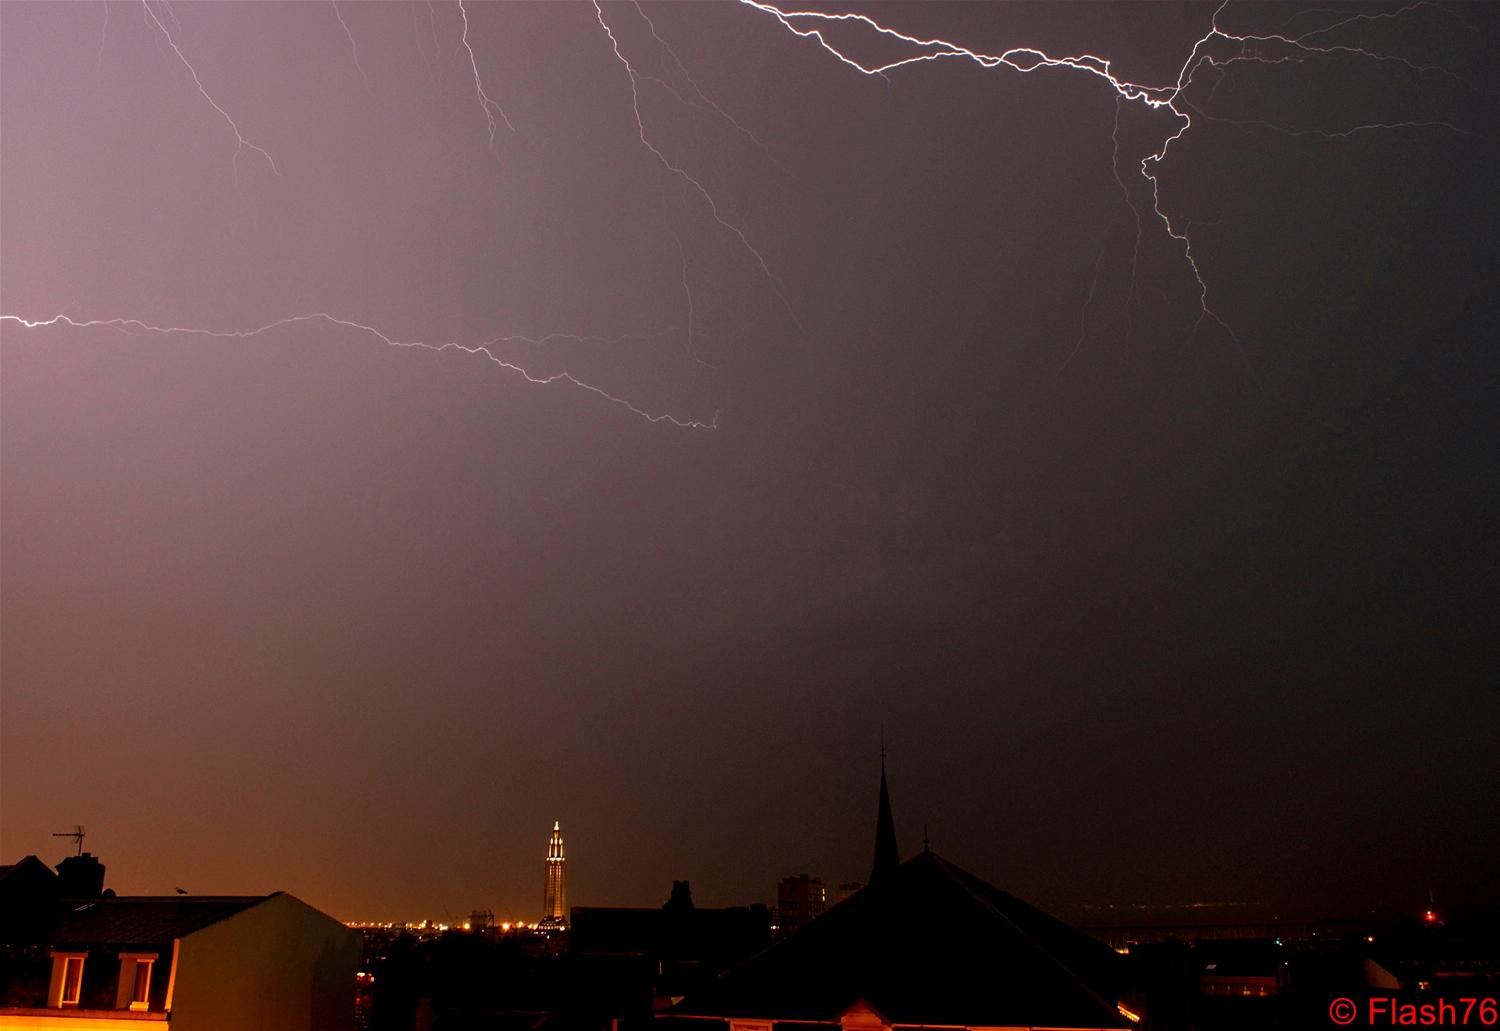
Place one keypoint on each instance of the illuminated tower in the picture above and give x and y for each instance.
(555, 905)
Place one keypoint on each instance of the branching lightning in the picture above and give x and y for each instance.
(488, 106)
(677, 170)
(1217, 49)
(1239, 47)
(242, 143)
(494, 116)
(704, 100)
(134, 327)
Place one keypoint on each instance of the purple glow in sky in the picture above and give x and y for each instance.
(420, 422)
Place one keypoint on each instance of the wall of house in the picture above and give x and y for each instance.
(279, 964)
(74, 1020)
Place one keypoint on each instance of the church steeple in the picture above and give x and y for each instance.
(887, 856)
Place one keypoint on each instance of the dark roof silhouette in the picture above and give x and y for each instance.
(887, 856)
(668, 930)
(143, 919)
(24, 875)
(930, 944)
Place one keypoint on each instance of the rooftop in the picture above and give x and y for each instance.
(930, 944)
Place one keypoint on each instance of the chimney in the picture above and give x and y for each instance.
(81, 877)
(681, 900)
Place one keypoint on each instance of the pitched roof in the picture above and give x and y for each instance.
(142, 919)
(25, 874)
(933, 944)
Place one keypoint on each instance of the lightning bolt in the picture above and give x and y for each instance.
(1217, 49)
(1241, 47)
(166, 5)
(681, 173)
(103, 40)
(488, 106)
(353, 46)
(704, 100)
(135, 327)
(242, 143)
(417, 39)
(1140, 226)
(687, 293)
(437, 46)
(1327, 134)
(1083, 314)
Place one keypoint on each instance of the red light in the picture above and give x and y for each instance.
(1430, 917)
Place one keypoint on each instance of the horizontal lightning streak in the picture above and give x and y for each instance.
(136, 327)
(1268, 49)
(1326, 134)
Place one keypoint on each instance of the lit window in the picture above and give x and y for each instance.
(134, 987)
(72, 980)
(140, 997)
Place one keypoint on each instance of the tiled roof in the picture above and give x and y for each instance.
(142, 919)
(931, 944)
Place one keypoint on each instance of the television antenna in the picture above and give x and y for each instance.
(76, 834)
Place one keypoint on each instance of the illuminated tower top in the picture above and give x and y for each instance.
(555, 904)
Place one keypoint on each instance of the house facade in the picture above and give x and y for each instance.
(188, 962)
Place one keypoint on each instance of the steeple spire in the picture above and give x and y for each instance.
(887, 856)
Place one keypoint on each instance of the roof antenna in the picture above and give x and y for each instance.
(926, 844)
(76, 834)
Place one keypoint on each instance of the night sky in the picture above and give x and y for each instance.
(1155, 605)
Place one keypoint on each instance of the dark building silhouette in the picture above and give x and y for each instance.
(887, 855)
(799, 901)
(81, 876)
(926, 942)
(634, 962)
